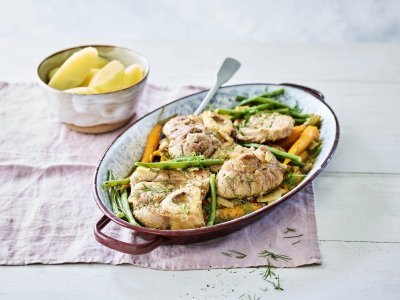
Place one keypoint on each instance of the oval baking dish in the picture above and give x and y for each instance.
(128, 147)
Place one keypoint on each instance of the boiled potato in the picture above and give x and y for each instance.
(83, 90)
(89, 76)
(52, 72)
(75, 69)
(110, 78)
(133, 74)
(100, 62)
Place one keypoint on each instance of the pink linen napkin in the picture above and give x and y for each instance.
(47, 212)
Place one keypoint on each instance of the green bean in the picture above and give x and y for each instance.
(116, 182)
(258, 99)
(189, 158)
(181, 164)
(240, 98)
(273, 94)
(299, 121)
(126, 208)
(111, 196)
(295, 160)
(296, 114)
(240, 113)
(313, 120)
(213, 206)
(231, 112)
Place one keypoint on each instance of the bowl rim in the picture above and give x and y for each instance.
(218, 227)
(41, 82)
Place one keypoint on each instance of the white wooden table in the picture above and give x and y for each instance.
(357, 196)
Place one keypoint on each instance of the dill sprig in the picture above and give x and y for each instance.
(234, 253)
(185, 208)
(292, 179)
(268, 254)
(155, 189)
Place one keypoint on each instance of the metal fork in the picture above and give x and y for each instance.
(226, 71)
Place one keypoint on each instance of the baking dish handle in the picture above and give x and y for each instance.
(129, 248)
(313, 92)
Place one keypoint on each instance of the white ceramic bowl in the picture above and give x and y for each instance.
(93, 113)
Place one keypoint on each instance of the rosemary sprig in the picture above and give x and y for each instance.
(289, 229)
(277, 284)
(268, 254)
(234, 253)
(249, 297)
(292, 236)
(269, 274)
(269, 271)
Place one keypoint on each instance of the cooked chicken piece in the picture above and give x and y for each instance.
(152, 216)
(156, 194)
(218, 123)
(249, 175)
(173, 129)
(184, 208)
(195, 143)
(187, 135)
(261, 128)
(228, 151)
(144, 193)
(172, 179)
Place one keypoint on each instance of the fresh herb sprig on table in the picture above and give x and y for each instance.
(234, 253)
(289, 229)
(292, 230)
(269, 274)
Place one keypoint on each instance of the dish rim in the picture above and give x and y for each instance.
(228, 224)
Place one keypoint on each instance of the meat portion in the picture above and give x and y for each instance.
(219, 124)
(144, 193)
(152, 216)
(261, 128)
(171, 179)
(189, 135)
(184, 208)
(169, 199)
(249, 175)
(228, 151)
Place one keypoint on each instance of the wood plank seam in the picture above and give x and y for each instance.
(371, 242)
